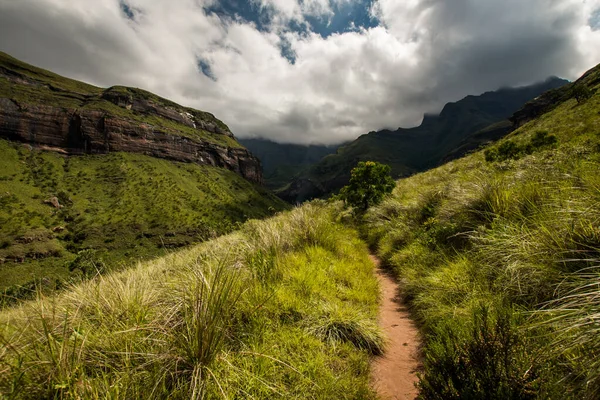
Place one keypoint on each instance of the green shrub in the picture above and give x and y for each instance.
(540, 140)
(510, 150)
(485, 362)
(581, 93)
(88, 262)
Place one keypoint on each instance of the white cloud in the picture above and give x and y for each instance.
(425, 53)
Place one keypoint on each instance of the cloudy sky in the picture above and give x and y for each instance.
(307, 71)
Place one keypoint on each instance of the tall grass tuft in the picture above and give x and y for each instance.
(336, 325)
(574, 319)
(201, 330)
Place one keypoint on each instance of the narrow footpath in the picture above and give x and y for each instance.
(394, 373)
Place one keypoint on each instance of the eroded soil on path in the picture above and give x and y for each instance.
(394, 373)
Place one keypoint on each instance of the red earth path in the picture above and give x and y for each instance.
(393, 374)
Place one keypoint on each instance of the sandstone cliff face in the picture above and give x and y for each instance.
(85, 130)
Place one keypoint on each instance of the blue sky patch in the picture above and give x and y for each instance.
(205, 68)
(285, 47)
(127, 10)
(595, 20)
(347, 16)
(248, 11)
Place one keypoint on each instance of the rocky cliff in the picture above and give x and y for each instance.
(49, 111)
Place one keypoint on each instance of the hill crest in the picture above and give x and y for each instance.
(43, 109)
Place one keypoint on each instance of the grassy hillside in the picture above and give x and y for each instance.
(499, 256)
(285, 308)
(114, 207)
(456, 130)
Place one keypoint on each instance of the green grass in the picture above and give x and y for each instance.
(284, 308)
(121, 206)
(46, 77)
(482, 248)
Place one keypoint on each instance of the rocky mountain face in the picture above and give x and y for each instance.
(45, 110)
(461, 127)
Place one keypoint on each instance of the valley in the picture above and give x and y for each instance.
(283, 162)
(181, 277)
(93, 180)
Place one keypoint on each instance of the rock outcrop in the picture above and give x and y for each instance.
(540, 105)
(117, 119)
(95, 132)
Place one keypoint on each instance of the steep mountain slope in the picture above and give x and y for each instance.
(499, 256)
(407, 151)
(281, 162)
(91, 177)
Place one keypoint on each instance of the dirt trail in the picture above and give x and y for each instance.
(394, 373)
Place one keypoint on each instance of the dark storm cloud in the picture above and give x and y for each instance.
(470, 46)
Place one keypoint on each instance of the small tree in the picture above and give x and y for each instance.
(369, 183)
(88, 262)
(581, 93)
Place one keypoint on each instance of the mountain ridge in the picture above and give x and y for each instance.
(416, 149)
(44, 109)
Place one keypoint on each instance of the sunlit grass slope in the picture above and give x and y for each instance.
(115, 207)
(500, 261)
(284, 308)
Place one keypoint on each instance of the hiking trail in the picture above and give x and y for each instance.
(393, 375)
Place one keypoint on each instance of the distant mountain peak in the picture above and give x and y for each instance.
(459, 127)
